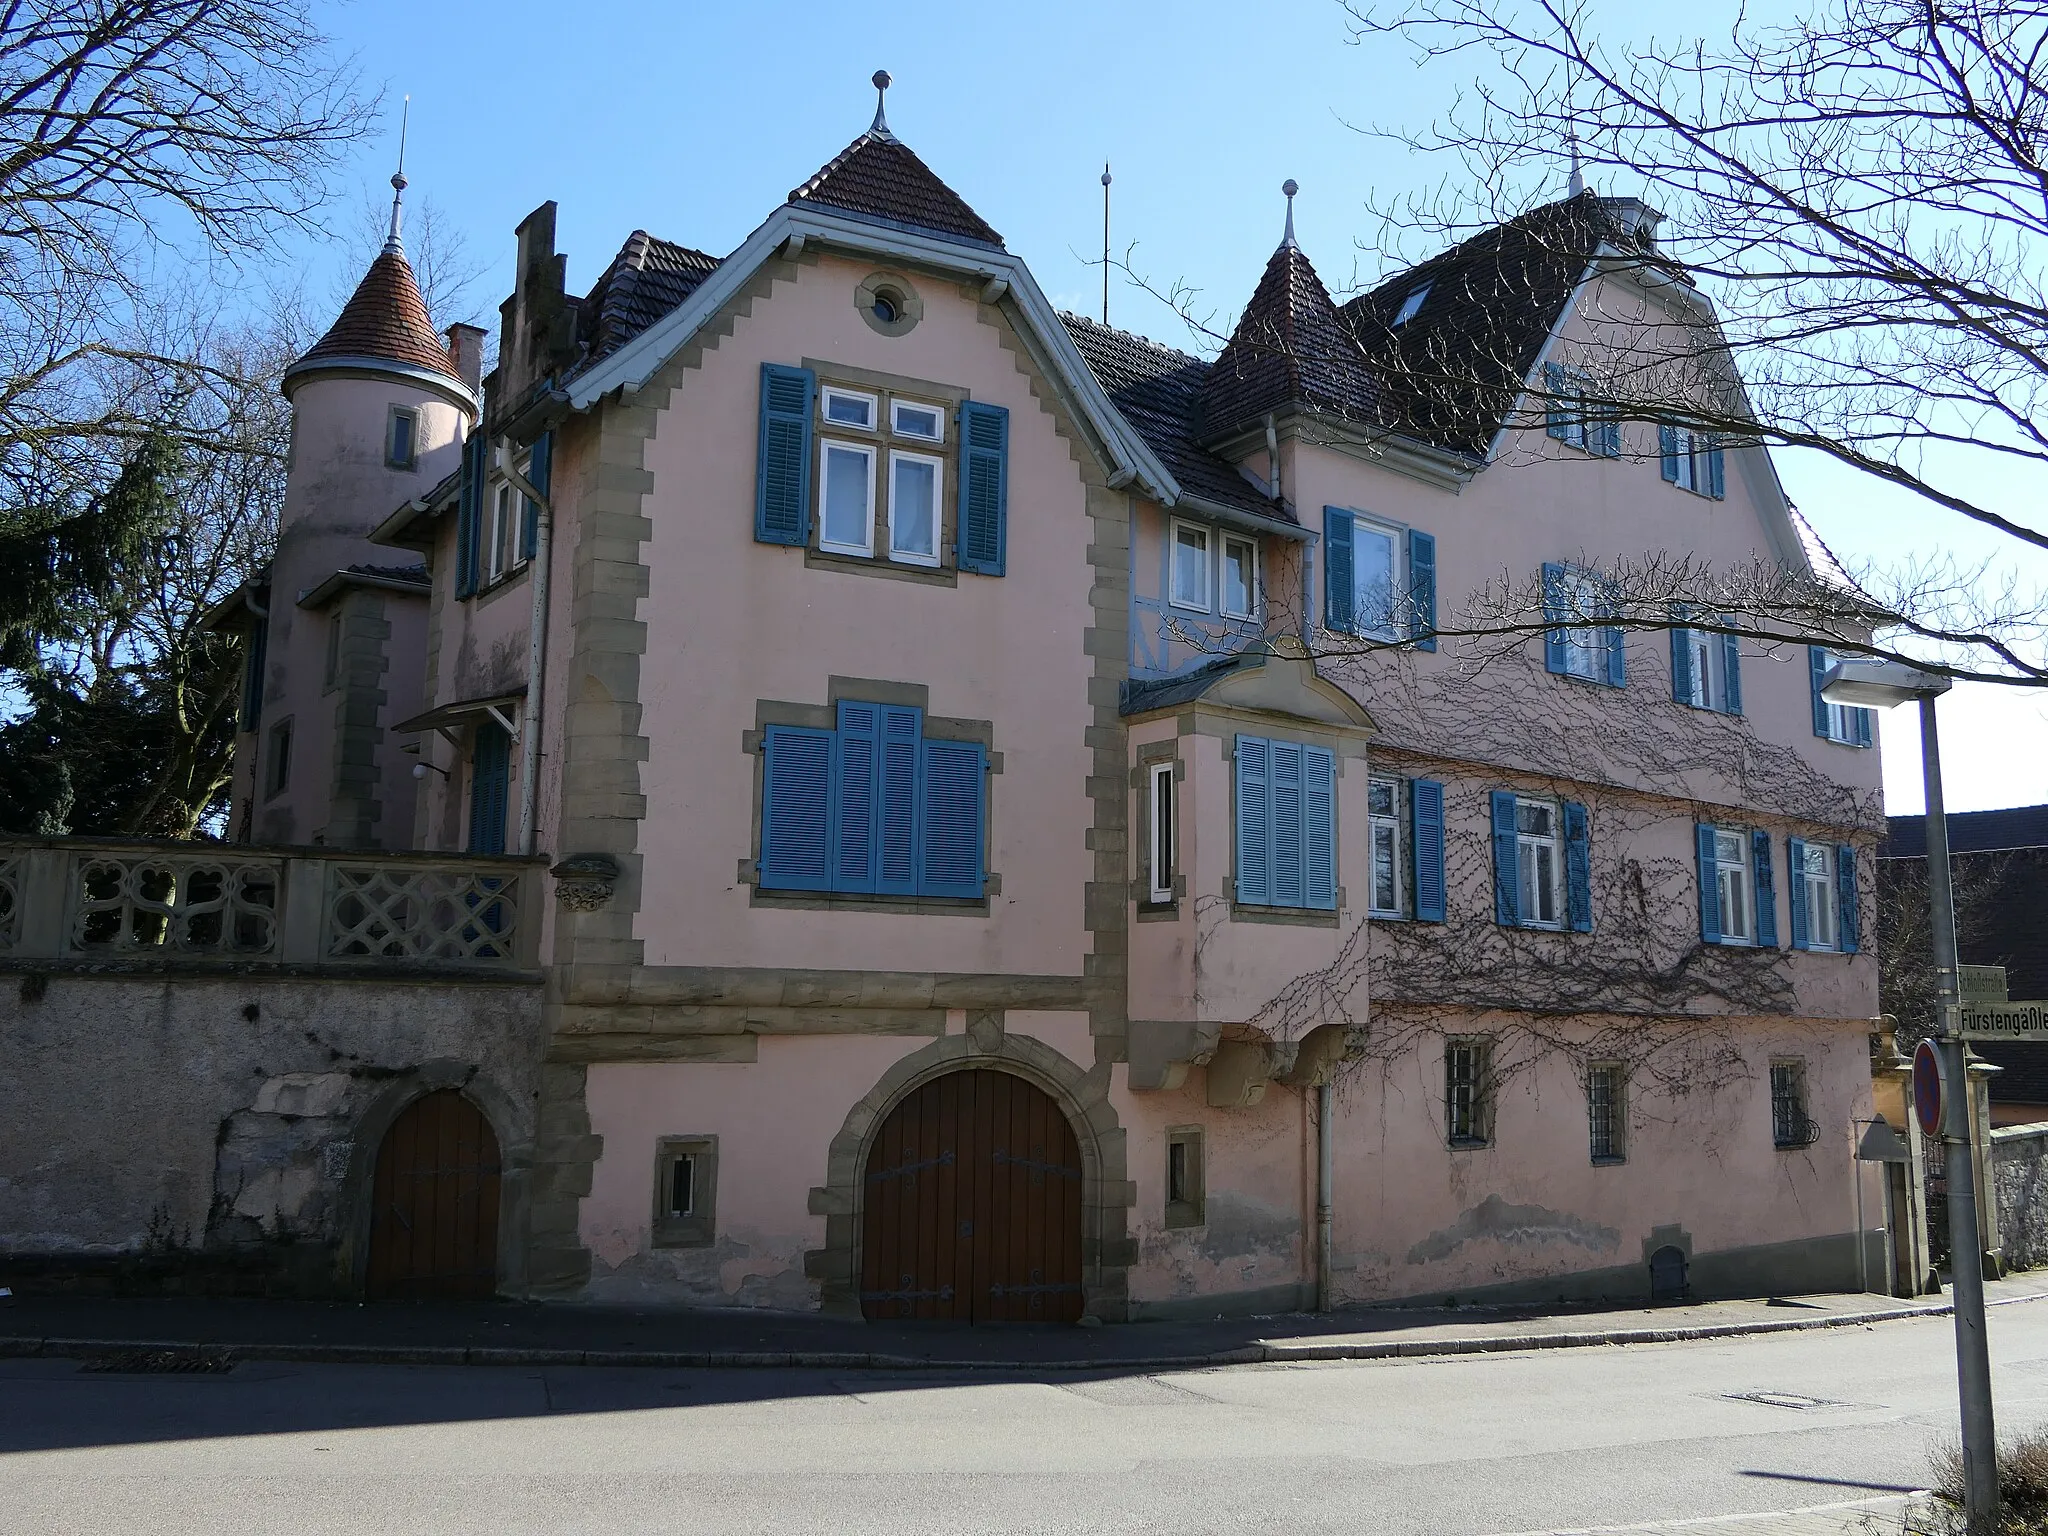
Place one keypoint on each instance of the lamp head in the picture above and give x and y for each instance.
(1880, 684)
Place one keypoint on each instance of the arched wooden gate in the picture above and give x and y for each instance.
(434, 1220)
(972, 1205)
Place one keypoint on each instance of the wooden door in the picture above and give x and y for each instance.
(434, 1224)
(972, 1206)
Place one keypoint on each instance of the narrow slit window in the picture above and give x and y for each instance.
(1604, 1111)
(1383, 808)
(1160, 878)
(1184, 1198)
(1467, 1092)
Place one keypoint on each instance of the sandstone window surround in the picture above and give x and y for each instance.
(685, 1192)
(1186, 1202)
(884, 473)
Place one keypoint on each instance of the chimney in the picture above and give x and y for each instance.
(466, 352)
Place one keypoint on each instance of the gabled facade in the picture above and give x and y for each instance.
(1022, 848)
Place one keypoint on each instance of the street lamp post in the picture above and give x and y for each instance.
(1883, 684)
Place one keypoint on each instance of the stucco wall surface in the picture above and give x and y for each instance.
(222, 1114)
(2019, 1171)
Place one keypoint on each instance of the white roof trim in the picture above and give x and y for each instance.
(636, 362)
(458, 393)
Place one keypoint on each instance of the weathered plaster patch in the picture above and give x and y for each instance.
(1244, 1244)
(1493, 1218)
(747, 1270)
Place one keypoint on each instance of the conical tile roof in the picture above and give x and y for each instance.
(1291, 347)
(878, 177)
(386, 319)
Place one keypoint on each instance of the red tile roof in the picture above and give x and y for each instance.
(878, 176)
(647, 279)
(385, 318)
(1290, 347)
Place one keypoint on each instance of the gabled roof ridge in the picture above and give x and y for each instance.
(880, 177)
(1074, 317)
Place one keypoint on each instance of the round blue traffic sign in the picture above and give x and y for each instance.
(1927, 1088)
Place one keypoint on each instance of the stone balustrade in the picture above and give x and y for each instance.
(96, 903)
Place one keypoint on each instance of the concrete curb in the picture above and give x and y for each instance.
(857, 1360)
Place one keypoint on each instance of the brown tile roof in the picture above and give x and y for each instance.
(1291, 347)
(386, 318)
(1451, 373)
(646, 280)
(877, 177)
(1159, 392)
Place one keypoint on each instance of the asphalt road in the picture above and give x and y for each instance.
(1449, 1447)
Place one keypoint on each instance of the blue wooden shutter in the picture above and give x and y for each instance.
(489, 767)
(1319, 827)
(469, 503)
(1507, 885)
(898, 802)
(539, 470)
(1766, 890)
(1422, 589)
(1605, 437)
(1845, 895)
(782, 471)
(855, 797)
(1681, 665)
(1557, 410)
(1254, 821)
(1617, 657)
(1285, 841)
(955, 813)
(796, 809)
(1578, 867)
(1337, 570)
(984, 486)
(1860, 720)
(1817, 671)
(1426, 847)
(1710, 884)
(1667, 448)
(1731, 669)
(1553, 613)
(1716, 485)
(1795, 885)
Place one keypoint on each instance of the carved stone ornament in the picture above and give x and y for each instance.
(584, 881)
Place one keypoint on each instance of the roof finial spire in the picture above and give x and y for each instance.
(1289, 187)
(879, 128)
(1576, 186)
(394, 244)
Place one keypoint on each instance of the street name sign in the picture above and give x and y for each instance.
(1981, 984)
(2004, 1021)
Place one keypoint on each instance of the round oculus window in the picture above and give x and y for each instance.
(888, 306)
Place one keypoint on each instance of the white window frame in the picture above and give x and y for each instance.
(1841, 717)
(1208, 536)
(506, 550)
(1692, 449)
(896, 427)
(830, 392)
(1577, 415)
(1225, 544)
(1161, 806)
(1817, 889)
(1528, 847)
(1390, 827)
(1735, 872)
(826, 448)
(1583, 594)
(1396, 535)
(1709, 653)
(898, 456)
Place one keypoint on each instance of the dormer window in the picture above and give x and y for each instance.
(1410, 306)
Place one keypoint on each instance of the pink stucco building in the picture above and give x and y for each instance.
(1031, 833)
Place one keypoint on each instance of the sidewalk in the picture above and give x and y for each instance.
(1855, 1517)
(524, 1333)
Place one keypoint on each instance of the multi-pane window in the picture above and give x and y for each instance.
(1732, 888)
(1190, 575)
(1578, 648)
(1468, 1114)
(1539, 863)
(1159, 852)
(1239, 578)
(1384, 824)
(1791, 1126)
(1813, 886)
(914, 508)
(1706, 670)
(1605, 1111)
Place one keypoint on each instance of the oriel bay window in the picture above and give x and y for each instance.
(1738, 899)
(873, 808)
(1286, 824)
(1542, 863)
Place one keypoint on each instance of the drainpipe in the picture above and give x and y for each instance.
(1325, 1180)
(536, 648)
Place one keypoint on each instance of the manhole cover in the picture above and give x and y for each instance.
(159, 1362)
(1782, 1399)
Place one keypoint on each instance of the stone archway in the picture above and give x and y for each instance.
(1082, 1097)
(434, 1204)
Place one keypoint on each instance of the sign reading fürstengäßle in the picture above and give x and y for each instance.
(2005, 1021)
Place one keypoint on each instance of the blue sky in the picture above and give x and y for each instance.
(693, 121)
